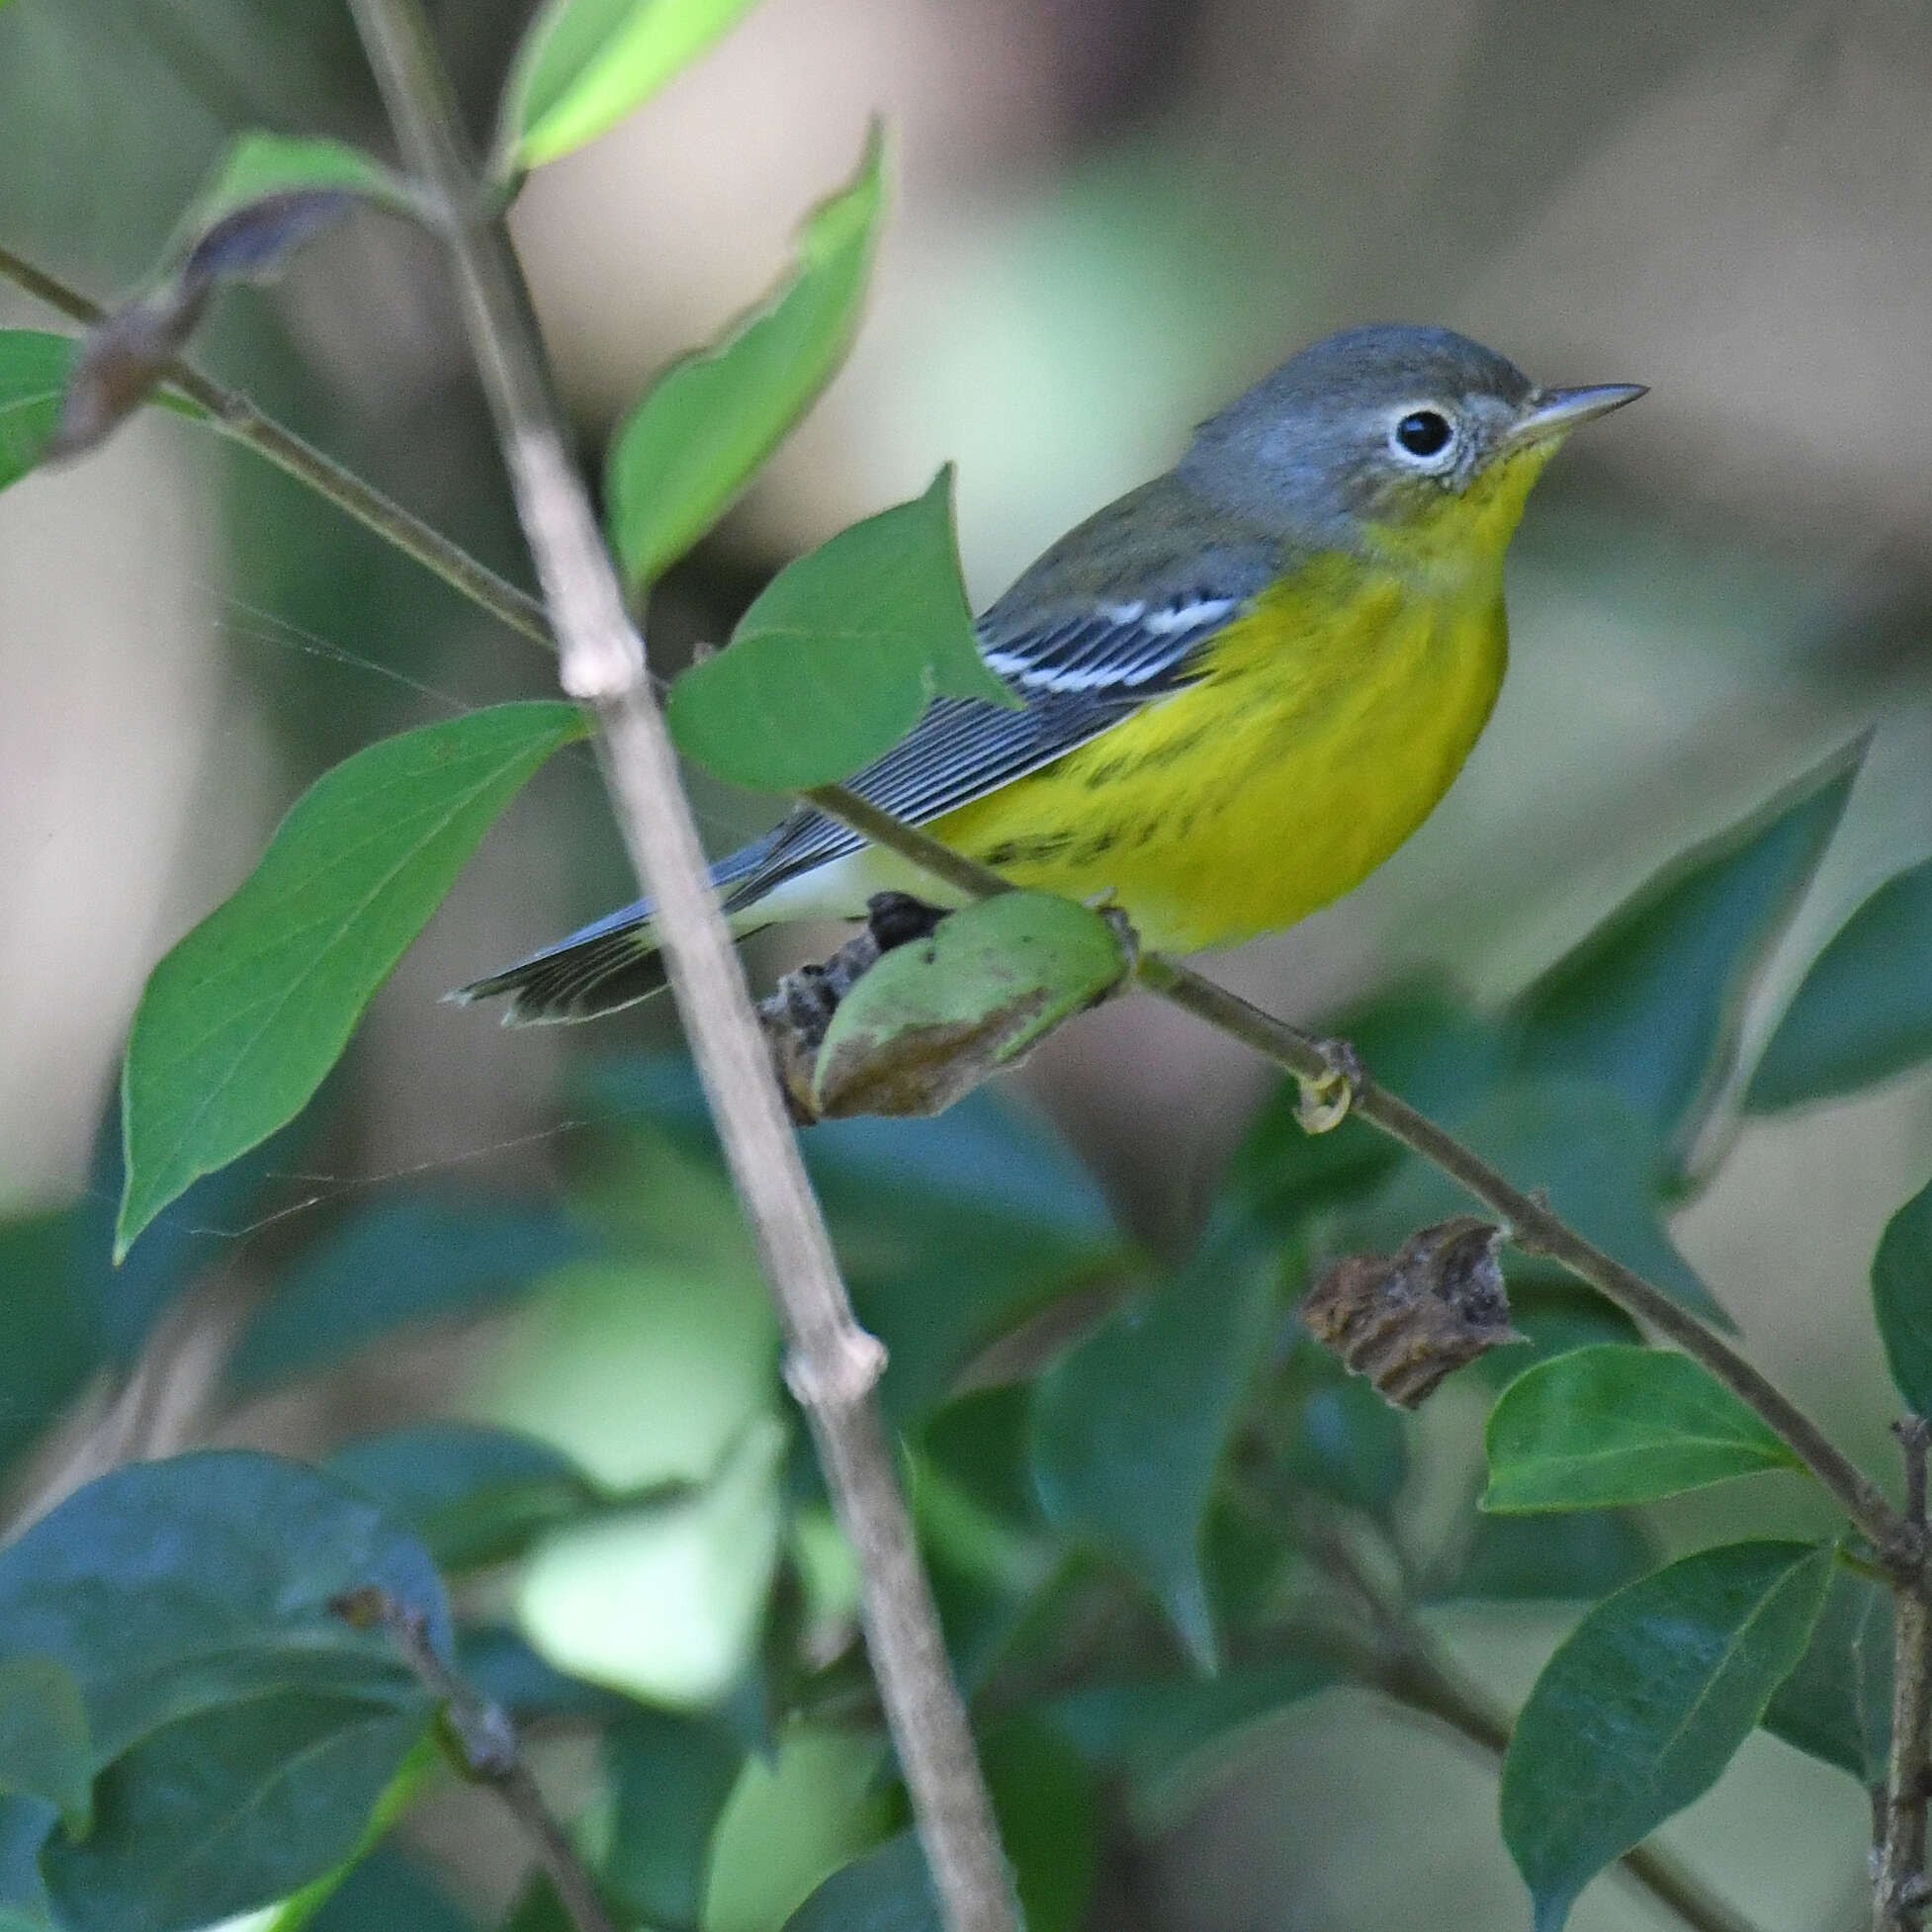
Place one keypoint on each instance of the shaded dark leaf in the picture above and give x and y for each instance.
(1901, 1298)
(172, 1588)
(1864, 1010)
(388, 1892)
(227, 1809)
(1335, 1435)
(473, 1494)
(1837, 1703)
(1643, 1705)
(1129, 1428)
(411, 1259)
(1649, 1003)
(1569, 1558)
(45, 1749)
(886, 1890)
(670, 1776)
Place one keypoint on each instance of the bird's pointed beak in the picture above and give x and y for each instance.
(1556, 412)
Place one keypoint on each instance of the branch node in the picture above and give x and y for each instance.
(839, 1373)
(1325, 1100)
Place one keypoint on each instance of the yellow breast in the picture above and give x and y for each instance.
(1331, 719)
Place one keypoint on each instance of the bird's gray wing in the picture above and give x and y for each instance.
(1091, 656)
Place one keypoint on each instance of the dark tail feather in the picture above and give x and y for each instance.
(609, 966)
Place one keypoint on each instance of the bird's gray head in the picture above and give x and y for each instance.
(1380, 430)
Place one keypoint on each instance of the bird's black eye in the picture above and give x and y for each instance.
(1424, 432)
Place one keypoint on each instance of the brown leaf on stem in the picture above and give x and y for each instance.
(1406, 1320)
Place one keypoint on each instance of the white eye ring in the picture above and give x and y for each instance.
(1425, 437)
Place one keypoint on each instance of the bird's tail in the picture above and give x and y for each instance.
(612, 962)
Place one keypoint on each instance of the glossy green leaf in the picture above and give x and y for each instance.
(34, 371)
(417, 1257)
(1837, 1704)
(886, 1890)
(1864, 1010)
(670, 1776)
(242, 1019)
(681, 457)
(1616, 1424)
(1649, 1003)
(179, 1587)
(44, 1747)
(226, 1810)
(1570, 1558)
(840, 656)
(473, 1494)
(1901, 1298)
(1643, 1705)
(584, 65)
(1129, 1427)
(932, 1020)
(1602, 1167)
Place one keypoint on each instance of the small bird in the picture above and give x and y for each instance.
(1243, 683)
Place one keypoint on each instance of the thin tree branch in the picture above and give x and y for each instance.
(236, 416)
(1900, 1892)
(833, 1364)
(485, 1744)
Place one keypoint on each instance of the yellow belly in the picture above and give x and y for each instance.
(1335, 716)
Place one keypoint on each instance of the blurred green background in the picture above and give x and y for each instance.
(1110, 216)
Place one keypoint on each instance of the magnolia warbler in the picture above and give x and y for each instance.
(1245, 683)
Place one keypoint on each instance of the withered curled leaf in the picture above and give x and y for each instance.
(1406, 1320)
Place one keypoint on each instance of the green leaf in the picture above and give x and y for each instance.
(414, 1257)
(1646, 1702)
(473, 1494)
(1128, 1429)
(226, 1810)
(49, 1335)
(44, 1747)
(1163, 1735)
(1901, 1298)
(584, 65)
(177, 1587)
(886, 1890)
(1335, 1435)
(839, 657)
(259, 165)
(34, 371)
(246, 1016)
(671, 1775)
(1602, 1167)
(1570, 1558)
(685, 452)
(1616, 1423)
(1837, 1703)
(426, 1758)
(1864, 1010)
(26, 1824)
(933, 1018)
(1045, 1806)
(384, 1892)
(1649, 1004)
